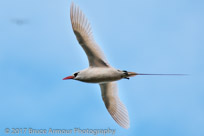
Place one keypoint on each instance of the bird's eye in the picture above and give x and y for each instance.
(75, 74)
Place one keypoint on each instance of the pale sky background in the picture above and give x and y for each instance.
(38, 48)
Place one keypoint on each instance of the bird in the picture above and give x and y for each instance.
(99, 70)
(19, 21)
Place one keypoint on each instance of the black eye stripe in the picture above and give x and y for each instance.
(75, 74)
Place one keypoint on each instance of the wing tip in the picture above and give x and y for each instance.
(126, 127)
(79, 20)
(115, 107)
(124, 123)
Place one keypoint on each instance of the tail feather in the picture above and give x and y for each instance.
(163, 74)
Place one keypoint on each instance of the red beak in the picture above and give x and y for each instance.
(69, 77)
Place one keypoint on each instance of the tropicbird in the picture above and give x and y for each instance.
(99, 70)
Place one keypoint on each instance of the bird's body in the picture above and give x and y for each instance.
(99, 75)
(99, 70)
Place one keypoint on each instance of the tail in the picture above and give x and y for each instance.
(163, 74)
(131, 74)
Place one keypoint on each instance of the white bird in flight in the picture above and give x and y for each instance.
(99, 70)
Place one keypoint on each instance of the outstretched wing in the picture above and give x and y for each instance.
(82, 30)
(115, 107)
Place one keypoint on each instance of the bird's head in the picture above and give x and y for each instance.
(74, 76)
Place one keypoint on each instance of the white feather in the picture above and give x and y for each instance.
(115, 107)
(82, 30)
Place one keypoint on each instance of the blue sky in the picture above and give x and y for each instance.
(145, 36)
